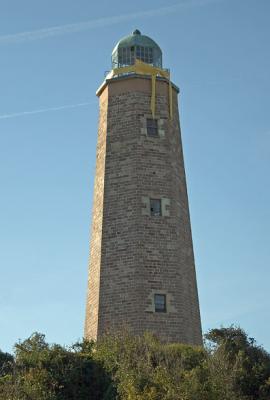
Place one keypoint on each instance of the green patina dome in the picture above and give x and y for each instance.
(137, 46)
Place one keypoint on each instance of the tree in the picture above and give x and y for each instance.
(6, 363)
(52, 372)
(247, 363)
(127, 367)
(143, 368)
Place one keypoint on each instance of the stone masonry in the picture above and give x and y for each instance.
(135, 255)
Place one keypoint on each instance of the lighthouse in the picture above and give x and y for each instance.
(141, 271)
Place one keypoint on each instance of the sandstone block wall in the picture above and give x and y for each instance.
(135, 255)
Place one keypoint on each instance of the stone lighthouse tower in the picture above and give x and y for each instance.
(142, 272)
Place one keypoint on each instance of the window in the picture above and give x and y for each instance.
(152, 127)
(126, 56)
(160, 302)
(144, 54)
(155, 207)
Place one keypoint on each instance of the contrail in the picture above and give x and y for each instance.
(97, 23)
(43, 110)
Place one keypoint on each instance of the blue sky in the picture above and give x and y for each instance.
(218, 54)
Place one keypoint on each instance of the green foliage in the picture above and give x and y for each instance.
(6, 363)
(143, 368)
(248, 363)
(44, 372)
(126, 367)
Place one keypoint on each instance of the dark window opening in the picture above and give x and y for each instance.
(160, 303)
(155, 207)
(152, 127)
